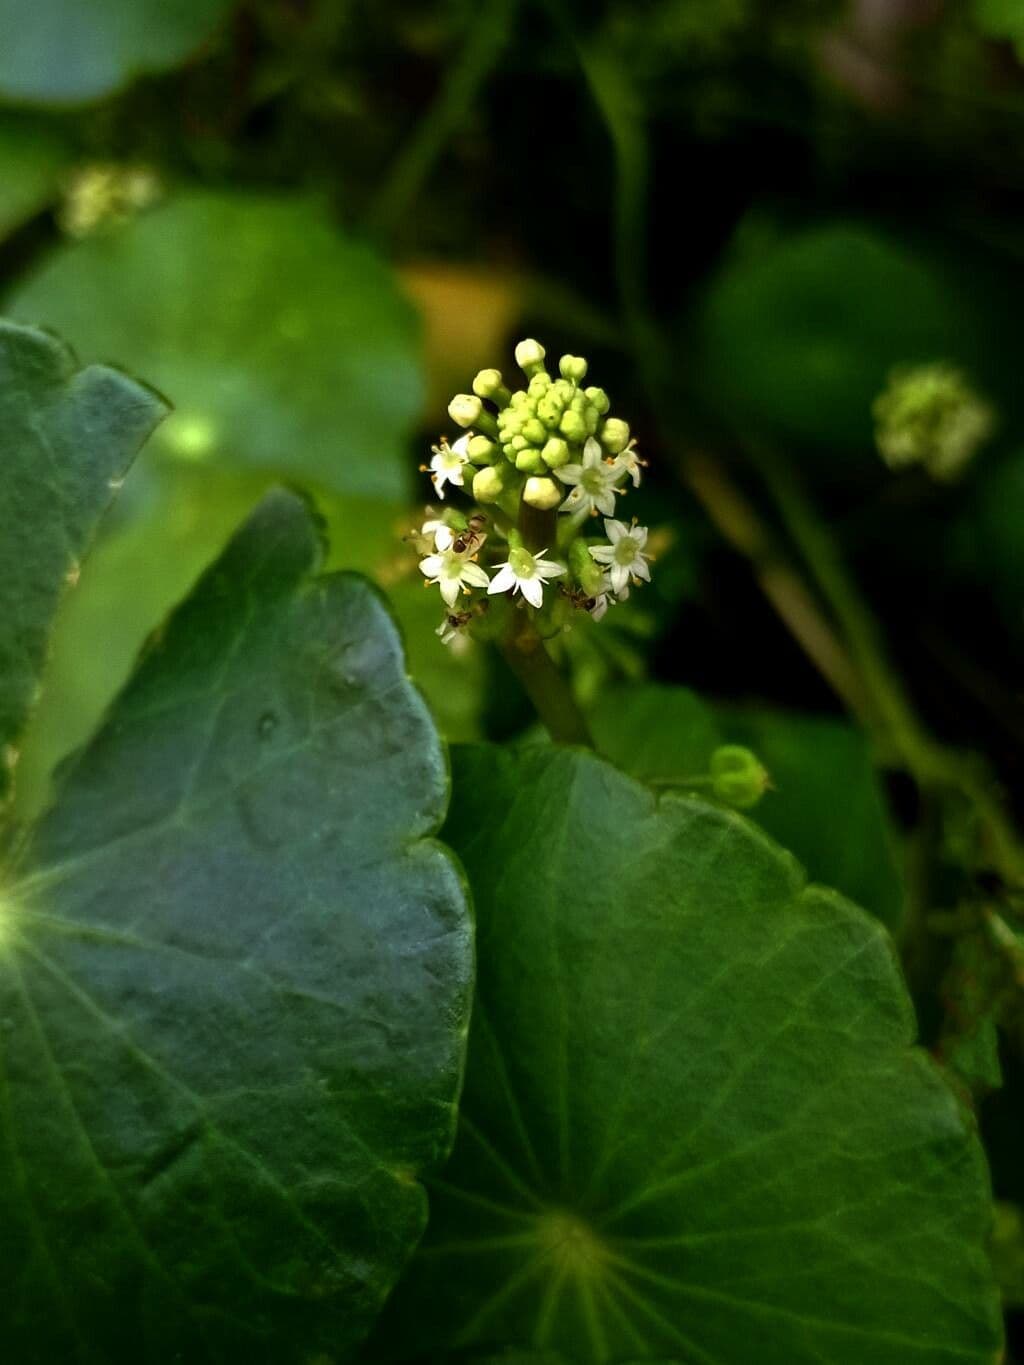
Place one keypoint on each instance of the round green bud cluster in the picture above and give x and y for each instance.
(930, 415)
(539, 428)
(738, 777)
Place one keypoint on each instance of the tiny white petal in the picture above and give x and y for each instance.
(431, 566)
(592, 452)
(503, 580)
(615, 530)
(533, 590)
(443, 538)
(570, 473)
(450, 590)
(475, 576)
(640, 569)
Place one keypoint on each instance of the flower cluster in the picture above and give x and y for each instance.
(542, 464)
(931, 416)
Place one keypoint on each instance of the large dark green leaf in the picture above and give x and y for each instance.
(234, 987)
(825, 803)
(70, 51)
(286, 347)
(694, 1124)
(67, 436)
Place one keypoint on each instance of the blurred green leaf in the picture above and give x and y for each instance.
(800, 335)
(30, 164)
(67, 437)
(63, 52)
(234, 985)
(284, 346)
(991, 539)
(825, 803)
(693, 1122)
(1001, 19)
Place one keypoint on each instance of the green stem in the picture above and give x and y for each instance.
(547, 688)
(933, 766)
(458, 93)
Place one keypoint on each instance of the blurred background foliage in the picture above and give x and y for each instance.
(310, 221)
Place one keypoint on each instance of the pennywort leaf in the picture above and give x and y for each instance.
(234, 975)
(67, 437)
(695, 1126)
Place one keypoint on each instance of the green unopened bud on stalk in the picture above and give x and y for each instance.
(737, 776)
(543, 493)
(489, 484)
(465, 409)
(488, 384)
(528, 461)
(586, 571)
(573, 367)
(573, 425)
(530, 356)
(481, 450)
(555, 453)
(614, 435)
(599, 399)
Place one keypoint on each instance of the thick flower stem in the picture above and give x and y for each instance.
(538, 527)
(528, 658)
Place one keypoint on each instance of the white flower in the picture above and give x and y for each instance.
(448, 463)
(525, 573)
(593, 480)
(623, 555)
(628, 463)
(452, 572)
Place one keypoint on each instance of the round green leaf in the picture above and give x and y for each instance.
(694, 1124)
(799, 338)
(285, 347)
(67, 438)
(63, 52)
(234, 979)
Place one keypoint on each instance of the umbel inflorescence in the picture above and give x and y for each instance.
(546, 467)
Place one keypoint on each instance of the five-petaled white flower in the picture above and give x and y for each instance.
(593, 482)
(525, 573)
(448, 463)
(624, 554)
(452, 572)
(628, 462)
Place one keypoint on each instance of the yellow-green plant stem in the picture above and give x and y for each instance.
(934, 766)
(546, 686)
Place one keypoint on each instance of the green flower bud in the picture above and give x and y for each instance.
(614, 435)
(465, 409)
(573, 426)
(535, 432)
(530, 356)
(592, 418)
(508, 450)
(737, 776)
(549, 411)
(481, 449)
(488, 385)
(555, 453)
(543, 493)
(573, 367)
(539, 386)
(519, 443)
(588, 574)
(528, 461)
(599, 398)
(488, 483)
